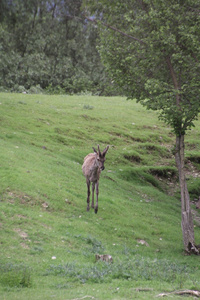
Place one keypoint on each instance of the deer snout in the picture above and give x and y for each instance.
(102, 168)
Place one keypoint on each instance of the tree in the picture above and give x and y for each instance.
(42, 43)
(152, 51)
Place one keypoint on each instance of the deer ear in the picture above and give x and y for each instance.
(105, 150)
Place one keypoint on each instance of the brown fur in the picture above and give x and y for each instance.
(92, 167)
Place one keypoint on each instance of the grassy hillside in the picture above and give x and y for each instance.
(49, 241)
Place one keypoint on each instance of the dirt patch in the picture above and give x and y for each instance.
(25, 246)
(46, 226)
(22, 198)
(21, 217)
(24, 236)
(168, 178)
(21, 233)
(191, 170)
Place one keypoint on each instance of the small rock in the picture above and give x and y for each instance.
(104, 257)
(143, 242)
(45, 205)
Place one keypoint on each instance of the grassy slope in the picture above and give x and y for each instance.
(43, 199)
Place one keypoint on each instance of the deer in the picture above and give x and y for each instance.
(92, 167)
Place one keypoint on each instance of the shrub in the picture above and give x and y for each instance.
(35, 90)
(134, 269)
(87, 106)
(55, 90)
(15, 276)
(19, 89)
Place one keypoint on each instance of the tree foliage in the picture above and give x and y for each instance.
(47, 43)
(152, 51)
(157, 57)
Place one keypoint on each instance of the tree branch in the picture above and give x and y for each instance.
(110, 27)
(84, 298)
(185, 292)
(115, 29)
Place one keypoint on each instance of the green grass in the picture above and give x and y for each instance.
(48, 240)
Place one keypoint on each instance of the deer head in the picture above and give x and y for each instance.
(101, 157)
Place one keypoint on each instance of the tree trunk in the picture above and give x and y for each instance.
(187, 222)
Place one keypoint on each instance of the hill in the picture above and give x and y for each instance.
(49, 241)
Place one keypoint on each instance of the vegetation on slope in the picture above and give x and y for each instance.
(63, 44)
(49, 241)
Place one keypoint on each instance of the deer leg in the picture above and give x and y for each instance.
(88, 195)
(97, 193)
(93, 188)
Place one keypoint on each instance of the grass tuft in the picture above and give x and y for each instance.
(15, 276)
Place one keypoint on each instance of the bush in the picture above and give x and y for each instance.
(35, 90)
(19, 89)
(137, 268)
(15, 276)
(55, 90)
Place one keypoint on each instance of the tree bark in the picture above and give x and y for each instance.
(187, 222)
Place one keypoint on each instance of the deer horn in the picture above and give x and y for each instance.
(95, 151)
(105, 150)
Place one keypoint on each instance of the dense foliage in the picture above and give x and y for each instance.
(46, 45)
